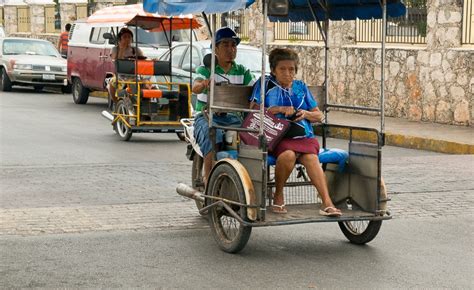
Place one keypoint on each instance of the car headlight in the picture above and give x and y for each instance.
(23, 66)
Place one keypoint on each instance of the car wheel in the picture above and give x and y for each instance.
(5, 83)
(66, 89)
(80, 95)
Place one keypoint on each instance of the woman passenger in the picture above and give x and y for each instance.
(291, 99)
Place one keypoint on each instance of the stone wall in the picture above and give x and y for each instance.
(433, 82)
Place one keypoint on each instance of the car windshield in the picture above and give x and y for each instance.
(31, 47)
(159, 38)
(251, 59)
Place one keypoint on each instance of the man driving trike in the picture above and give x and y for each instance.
(228, 71)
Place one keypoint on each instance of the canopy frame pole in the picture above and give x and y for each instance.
(208, 25)
(382, 73)
(190, 58)
(262, 138)
(210, 100)
(262, 78)
(318, 22)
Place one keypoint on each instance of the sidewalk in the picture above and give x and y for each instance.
(415, 135)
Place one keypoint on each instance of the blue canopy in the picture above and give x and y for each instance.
(178, 7)
(340, 10)
(299, 9)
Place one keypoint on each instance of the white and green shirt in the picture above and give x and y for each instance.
(237, 75)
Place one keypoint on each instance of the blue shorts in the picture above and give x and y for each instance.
(201, 129)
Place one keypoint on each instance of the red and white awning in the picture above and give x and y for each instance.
(136, 16)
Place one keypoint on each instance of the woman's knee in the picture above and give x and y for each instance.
(286, 157)
(308, 159)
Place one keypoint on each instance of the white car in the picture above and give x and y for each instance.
(2, 32)
(33, 62)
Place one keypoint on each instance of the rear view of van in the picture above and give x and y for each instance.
(89, 63)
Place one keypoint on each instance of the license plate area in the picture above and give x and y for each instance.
(49, 77)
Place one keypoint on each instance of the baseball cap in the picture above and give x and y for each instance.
(226, 33)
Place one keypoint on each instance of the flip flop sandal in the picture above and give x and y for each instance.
(279, 209)
(327, 212)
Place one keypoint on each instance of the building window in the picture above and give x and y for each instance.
(409, 28)
(23, 14)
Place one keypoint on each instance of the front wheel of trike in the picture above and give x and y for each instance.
(121, 128)
(360, 232)
(229, 233)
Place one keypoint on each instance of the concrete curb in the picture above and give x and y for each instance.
(405, 141)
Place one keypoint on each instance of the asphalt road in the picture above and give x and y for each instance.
(79, 208)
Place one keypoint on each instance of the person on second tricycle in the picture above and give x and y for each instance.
(123, 50)
(291, 99)
(226, 71)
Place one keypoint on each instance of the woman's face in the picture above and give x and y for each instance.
(126, 39)
(284, 72)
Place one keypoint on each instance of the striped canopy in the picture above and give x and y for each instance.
(136, 16)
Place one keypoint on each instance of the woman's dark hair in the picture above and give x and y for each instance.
(279, 54)
(124, 31)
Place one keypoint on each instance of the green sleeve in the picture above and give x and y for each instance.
(202, 73)
(249, 78)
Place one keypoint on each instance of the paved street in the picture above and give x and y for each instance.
(79, 208)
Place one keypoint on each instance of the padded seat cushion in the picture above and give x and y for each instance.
(337, 156)
(149, 94)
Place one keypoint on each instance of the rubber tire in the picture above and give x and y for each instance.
(360, 238)
(181, 136)
(121, 129)
(66, 89)
(197, 181)
(80, 95)
(38, 88)
(5, 83)
(228, 244)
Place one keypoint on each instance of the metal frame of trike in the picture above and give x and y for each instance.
(141, 126)
(261, 207)
(237, 190)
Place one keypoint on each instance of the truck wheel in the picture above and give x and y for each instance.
(80, 95)
(5, 83)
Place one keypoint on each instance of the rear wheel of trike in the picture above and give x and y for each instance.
(197, 179)
(230, 235)
(360, 232)
(121, 128)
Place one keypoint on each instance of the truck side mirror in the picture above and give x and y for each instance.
(110, 37)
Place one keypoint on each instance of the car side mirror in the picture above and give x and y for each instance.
(189, 67)
(110, 37)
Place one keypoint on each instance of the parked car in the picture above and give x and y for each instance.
(34, 62)
(89, 61)
(249, 56)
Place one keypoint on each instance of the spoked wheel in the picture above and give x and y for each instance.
(122, 130)
(360, 232)
(197, 179)
(230, 235)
